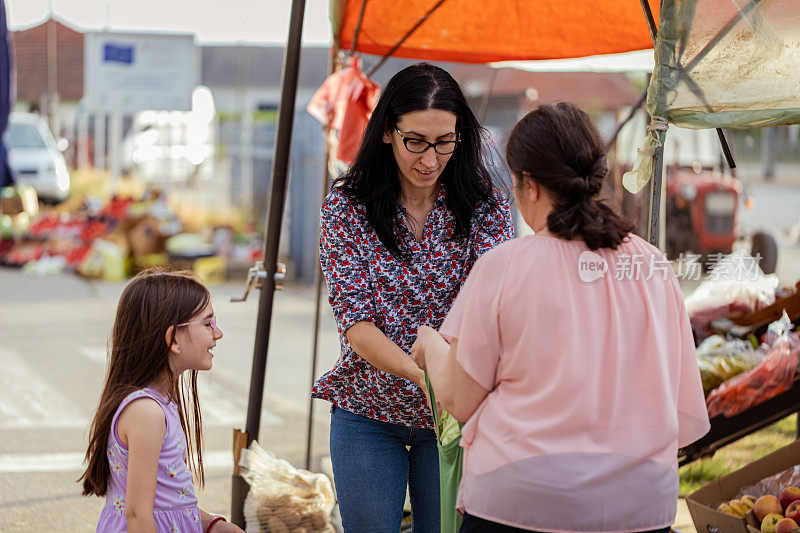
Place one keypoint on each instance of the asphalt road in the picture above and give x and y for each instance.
(776, 208)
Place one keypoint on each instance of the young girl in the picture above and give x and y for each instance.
(146, 437)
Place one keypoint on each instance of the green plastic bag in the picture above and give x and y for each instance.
(451, 456)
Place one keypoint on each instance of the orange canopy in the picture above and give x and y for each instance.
(481, 31)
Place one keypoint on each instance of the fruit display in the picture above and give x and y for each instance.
(772, 514)
(738, 507)
(785, 525)
(720, 359)
(56, 233)
(788, 495)
(772, 376)
(110, 240)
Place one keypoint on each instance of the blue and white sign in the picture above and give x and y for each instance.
(121, 53)
(131, 72)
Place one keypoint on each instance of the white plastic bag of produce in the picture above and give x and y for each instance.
(282, 498)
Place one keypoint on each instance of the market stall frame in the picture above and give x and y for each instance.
(266, 278)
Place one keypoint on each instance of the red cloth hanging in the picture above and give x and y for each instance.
(345, 102)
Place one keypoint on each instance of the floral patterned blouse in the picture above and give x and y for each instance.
(366, 283)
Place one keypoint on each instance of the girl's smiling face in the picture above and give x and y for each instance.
(194, 342)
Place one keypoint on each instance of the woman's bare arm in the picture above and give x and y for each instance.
(374, 347)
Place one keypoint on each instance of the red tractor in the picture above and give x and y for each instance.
(702, 211)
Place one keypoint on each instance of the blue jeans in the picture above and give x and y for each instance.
(372, 467)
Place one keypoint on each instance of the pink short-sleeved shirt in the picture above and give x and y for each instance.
(593, 386)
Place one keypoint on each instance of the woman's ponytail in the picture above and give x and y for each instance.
(560, 148)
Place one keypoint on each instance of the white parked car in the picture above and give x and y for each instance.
(35, 157)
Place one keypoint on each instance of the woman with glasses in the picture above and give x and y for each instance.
(399, 233)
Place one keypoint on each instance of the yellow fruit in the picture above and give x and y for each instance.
(727, 509)
(749, 501)
(738, 507)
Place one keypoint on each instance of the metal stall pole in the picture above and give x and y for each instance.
(318, 279)
(270, 275)
(487, 95)
(639, 102)
(658, 159)
(315, 342)
(655, 203)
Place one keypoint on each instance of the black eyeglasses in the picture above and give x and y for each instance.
(419, 146)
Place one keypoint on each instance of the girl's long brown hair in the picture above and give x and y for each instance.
(139, 356)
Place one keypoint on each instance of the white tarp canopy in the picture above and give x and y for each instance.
(641, 61)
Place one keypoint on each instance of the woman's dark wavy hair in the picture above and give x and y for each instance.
(373, 180)
(560, 148)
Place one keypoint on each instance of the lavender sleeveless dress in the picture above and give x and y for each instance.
(175, 507)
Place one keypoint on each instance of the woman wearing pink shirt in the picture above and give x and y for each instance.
(572, 361)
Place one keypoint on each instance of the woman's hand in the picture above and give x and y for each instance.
(425, 336)
(418, 348)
